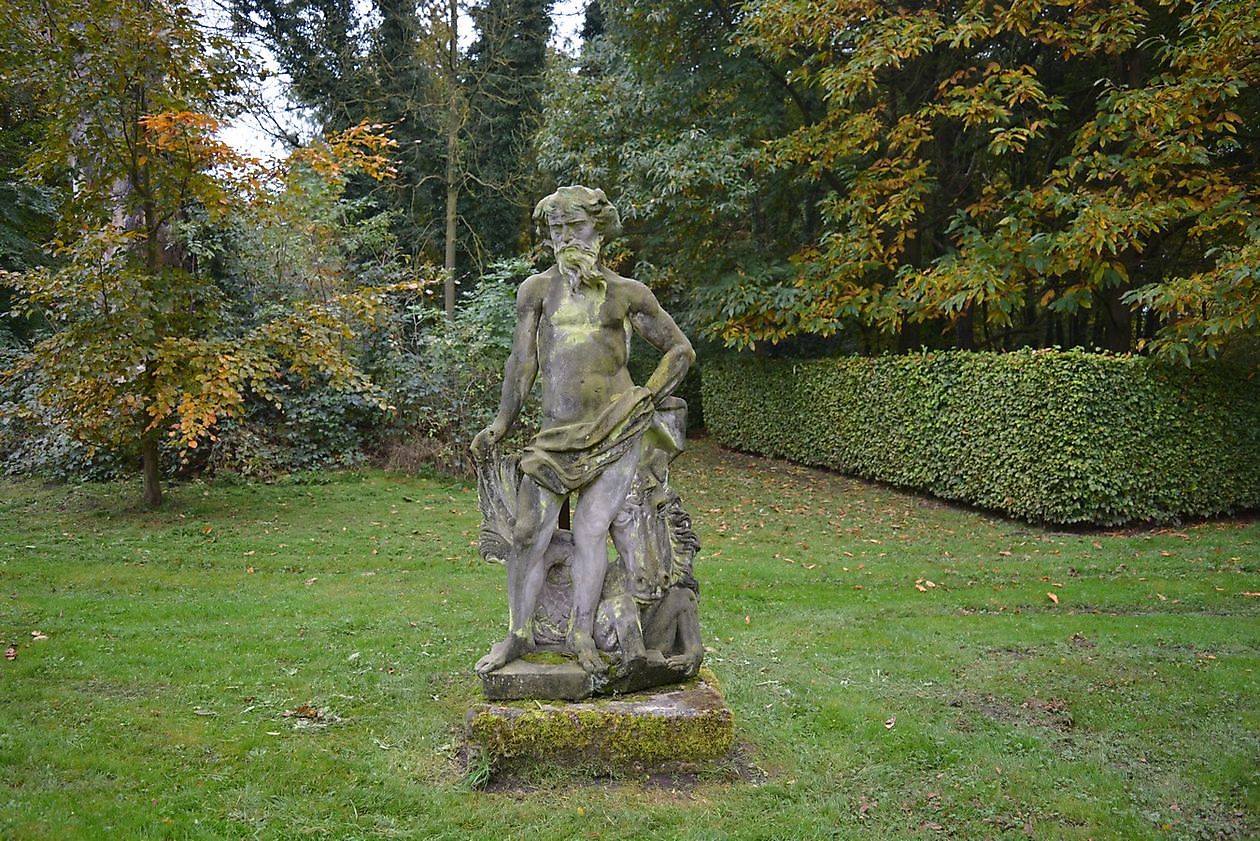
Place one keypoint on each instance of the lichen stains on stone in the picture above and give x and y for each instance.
(689, 724)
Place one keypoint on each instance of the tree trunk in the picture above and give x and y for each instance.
(452, 150)
(152, 476)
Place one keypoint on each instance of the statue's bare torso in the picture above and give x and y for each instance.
(583, 343)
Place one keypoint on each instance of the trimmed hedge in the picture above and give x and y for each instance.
(1047, 436)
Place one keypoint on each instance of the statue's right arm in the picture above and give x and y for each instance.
(522, 364)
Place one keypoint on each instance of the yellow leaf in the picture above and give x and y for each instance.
(1053, 597)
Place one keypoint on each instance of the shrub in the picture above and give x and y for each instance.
(1048, 436)
(316, 428)
(445, 376)
(30, 441)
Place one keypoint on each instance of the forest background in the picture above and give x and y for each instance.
(796, 178)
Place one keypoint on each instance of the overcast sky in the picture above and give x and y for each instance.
(249, 136)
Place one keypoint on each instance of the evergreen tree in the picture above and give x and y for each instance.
(505, 69)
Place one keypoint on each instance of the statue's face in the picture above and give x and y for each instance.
(573, 228)
(575, 242)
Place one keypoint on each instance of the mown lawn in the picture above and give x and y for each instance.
(865, 706)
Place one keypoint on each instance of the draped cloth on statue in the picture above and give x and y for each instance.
(565, 458)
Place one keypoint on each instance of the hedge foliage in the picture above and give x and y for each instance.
(1049, 436)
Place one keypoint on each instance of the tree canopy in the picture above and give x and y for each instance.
(976, 174)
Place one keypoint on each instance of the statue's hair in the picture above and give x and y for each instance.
(591, 202)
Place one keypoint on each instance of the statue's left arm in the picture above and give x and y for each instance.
(655, 325)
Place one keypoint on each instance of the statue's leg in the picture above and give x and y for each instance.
(597, 504)
(627, 621)
(537, 511)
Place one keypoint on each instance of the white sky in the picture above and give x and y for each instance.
(249, 132)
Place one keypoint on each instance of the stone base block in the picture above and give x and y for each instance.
(690, 722)
(543, 676)
(554, 677)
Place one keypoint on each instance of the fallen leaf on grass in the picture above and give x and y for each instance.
(308, 582)
(10, 653)
(1251, 595)
(920, 588)
(305, 716)
(39, 635)
(890, 723)
(305, 711)
(1053, 597)
(249, 570)
(747, 620)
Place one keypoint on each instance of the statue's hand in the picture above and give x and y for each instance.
(484, 441)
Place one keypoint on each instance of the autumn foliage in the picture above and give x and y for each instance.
(973, 174)
(145, 344)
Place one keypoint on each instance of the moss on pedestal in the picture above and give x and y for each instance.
(687, 723)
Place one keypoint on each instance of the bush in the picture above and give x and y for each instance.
(32, 444)
(317, 428)
(1048, 436)
(445, 377)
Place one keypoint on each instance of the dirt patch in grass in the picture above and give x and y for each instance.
(1051, 714)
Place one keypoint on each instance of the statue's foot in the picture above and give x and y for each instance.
(633, 659)
(684, 664)
(503, 653)
(654, 659)
(587, 655)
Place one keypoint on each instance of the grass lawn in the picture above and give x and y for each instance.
(897, 668)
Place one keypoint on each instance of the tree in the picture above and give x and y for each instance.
(661, 110)
(1022, 174)
(26, 209)
(458, 122)
(889, 175)
(142, 341)
(505, 67)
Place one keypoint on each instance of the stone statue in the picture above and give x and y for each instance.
(604, 439)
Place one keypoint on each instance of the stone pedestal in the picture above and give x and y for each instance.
(690, 722)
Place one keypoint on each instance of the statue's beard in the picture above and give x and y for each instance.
(579, 262)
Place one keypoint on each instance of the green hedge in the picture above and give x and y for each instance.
(1047, 436)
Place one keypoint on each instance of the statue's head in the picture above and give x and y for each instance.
(578, 220)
